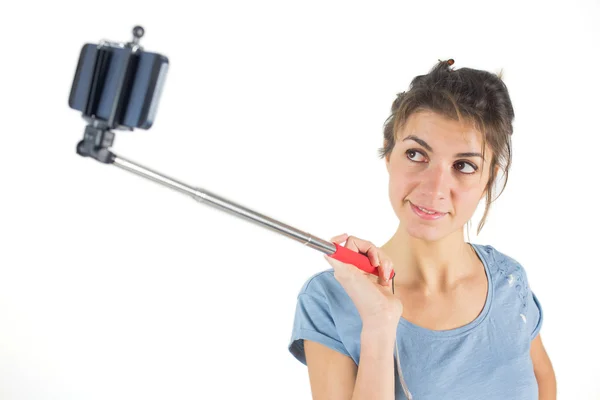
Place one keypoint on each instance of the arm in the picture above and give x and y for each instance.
(542, 367)
(335, 376)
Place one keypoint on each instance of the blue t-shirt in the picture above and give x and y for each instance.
(485, 359)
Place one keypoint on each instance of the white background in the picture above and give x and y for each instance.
(113, 287)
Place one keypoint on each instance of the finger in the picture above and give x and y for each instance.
(384, 271)
(339, 238)
(364, 247)
(341, 269)
(388, 265)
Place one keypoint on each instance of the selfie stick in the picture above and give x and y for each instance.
(118, 86)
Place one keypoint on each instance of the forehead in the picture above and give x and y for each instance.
(441, 132)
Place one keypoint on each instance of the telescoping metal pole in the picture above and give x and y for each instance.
(204, 196)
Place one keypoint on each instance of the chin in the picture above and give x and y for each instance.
(426, 233)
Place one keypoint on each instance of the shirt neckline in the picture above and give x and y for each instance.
(471, 325)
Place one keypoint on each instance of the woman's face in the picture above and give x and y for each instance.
(436, 164)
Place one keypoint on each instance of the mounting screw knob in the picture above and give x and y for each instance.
(138, 32)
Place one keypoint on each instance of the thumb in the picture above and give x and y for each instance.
(339, 267)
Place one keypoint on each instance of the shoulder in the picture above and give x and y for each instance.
(508, 276)
(322, 289)
(502, 265)
(320, 284)
(511, 289)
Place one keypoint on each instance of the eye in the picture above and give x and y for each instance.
(411, 153)
(461, 167)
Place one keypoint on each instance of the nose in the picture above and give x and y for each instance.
(435, 184)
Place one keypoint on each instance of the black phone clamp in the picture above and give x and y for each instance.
(117, 86)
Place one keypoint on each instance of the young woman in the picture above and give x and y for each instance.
(459, 320)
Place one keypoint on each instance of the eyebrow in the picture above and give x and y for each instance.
(428, 147)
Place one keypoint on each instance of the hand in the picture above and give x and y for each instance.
(377, 305)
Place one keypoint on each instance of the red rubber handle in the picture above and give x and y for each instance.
(348, 256)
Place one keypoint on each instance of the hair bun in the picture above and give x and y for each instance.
(448, 63)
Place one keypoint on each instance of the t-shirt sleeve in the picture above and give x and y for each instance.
(313, 321)
(530, 306)
(535, 315)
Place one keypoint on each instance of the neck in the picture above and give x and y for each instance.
(430, 266)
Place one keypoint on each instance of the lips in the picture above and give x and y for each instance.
(427, 213)
(427, 209)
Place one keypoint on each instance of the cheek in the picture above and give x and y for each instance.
(400, 186)
(467, 198)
